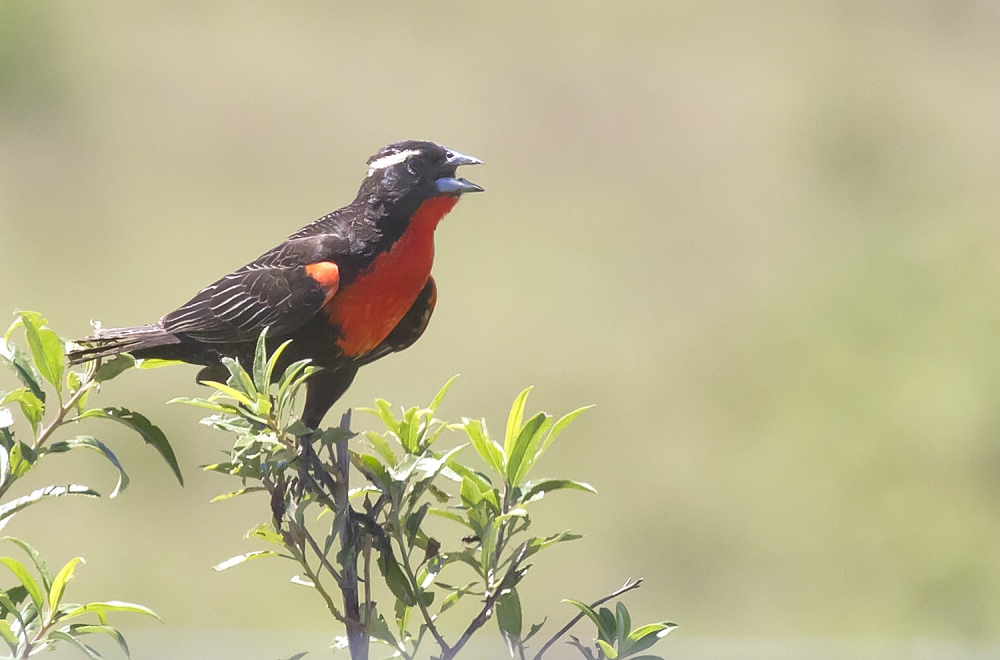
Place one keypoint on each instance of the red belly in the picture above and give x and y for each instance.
(367, 309)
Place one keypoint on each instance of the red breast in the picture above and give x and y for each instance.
(367, 309)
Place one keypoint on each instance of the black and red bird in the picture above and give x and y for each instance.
(347, 289)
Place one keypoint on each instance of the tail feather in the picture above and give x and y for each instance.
(112, 341)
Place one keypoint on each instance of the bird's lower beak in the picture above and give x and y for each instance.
(451, 186)
(448, 184)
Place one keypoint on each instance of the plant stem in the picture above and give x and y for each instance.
(491, 599)
(368, 585)
(356, 638)
(330, 605)
(63, 410)
(628, 586)
(322, 558)
(420, 603)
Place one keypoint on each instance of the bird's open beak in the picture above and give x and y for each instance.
(448, 184)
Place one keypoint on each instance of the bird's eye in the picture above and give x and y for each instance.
(414, 165)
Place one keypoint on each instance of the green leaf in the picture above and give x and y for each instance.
(454, 597)
(488, 548)
(537, 544)
(240, 379)
(610, 624)
(260, 362)
(604, 630)
(514, 421)
(62, 578)
(74, 381)
(232, 393)
(46, 347)
(12, 507)
(239, 559)
(524, 448)
(413, 521)
(373, 470)
(265, 532)
(379, 629)
(21, 458)
(623, 625)
(80, 629)
(5, 475)
(450, 515)
(383, 411)
(559, 426)
(101, 609)
(395, 579)
(534, 630)
(381, 446)
(489, 451)
(645, 636)
(534, 490)
(205, 403)
(509, 619)
(32, 407)
(237, 493)
(8, 636)
(94, 444)
(90, 651)
(154, 363)
(36, 559)
(441, 496)
(23, 368)
(24, 577)
(609, 651)
(114, 367)
(295, 374)
(146, 429)
(439, 397)
(401, 611)
(272, 364)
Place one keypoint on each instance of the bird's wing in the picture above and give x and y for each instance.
(281, 291)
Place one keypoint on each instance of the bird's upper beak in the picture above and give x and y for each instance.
(447, 184)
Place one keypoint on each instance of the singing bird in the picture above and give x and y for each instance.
(348, 289)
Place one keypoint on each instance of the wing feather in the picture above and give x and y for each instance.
(274, 291)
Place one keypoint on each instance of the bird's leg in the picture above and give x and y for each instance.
(324, 388)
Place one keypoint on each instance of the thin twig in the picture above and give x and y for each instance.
(64, 408)
(428, 619)
(322, 558)
(628, 586)
(330, 605)
(368, 585)
(491, 599)
(358, 640)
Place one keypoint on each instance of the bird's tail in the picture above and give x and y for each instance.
(112, 341)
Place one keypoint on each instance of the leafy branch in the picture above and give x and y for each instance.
(408, 479)
(33, 614)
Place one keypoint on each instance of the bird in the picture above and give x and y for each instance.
(347, 289)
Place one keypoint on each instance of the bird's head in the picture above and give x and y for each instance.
(412, 172)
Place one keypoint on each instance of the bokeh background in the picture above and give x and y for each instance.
(761, 237)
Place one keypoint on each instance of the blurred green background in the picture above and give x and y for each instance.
(761, 237)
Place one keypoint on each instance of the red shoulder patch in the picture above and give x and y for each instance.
(327, 275)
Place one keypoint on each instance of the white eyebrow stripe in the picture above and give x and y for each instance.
(390, 160)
